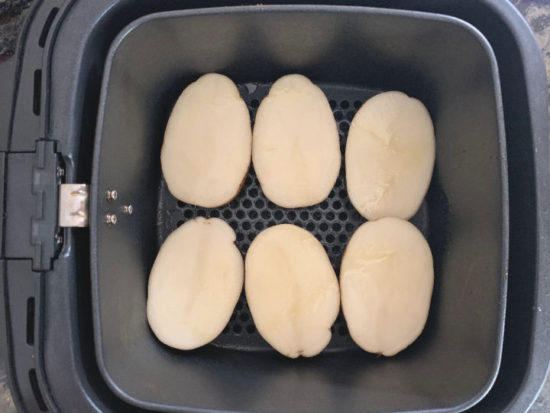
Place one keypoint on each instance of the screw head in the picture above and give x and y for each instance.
(111, 195)
(110, 219)
(127, 209)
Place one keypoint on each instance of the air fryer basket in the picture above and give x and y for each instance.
(331, 221)
(66, 41)
(445, 63)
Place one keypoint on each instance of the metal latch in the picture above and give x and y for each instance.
(73, 205)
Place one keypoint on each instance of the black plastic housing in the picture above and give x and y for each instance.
(57, 369)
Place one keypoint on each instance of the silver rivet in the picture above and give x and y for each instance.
(110, 219)
(127, 209)
(58, 239)
(60, 172)
(111, 195)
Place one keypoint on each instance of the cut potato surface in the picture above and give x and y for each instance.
(296, 148)
(207, 143)
(292, 290)
(390, 155)
(194, 284)
(386, 282)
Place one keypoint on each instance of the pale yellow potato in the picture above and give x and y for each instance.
(390, 154)
(194, 284)
(296, 148)
(207, 143)
(292, 290)
(386, 282)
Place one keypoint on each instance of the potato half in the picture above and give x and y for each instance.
(386, 282)
(195, 283)
(390, 155)
(292, 290)
(296, 148)
(207, 143)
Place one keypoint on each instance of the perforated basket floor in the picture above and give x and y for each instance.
(333, 221)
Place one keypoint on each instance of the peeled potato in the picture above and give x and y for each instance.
(207, 143)
(386, 282)
(296, 148)
(390, 155)
(194, 284)
(292, 290)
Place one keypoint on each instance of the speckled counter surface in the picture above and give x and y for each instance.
(537, 14)
(12, 13)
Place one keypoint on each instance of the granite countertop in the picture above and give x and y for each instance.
(12, 12)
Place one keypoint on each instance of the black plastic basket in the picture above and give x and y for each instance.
(349, 51)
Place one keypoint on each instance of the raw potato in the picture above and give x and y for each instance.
(386, 283)
(292, 290)
(390, 155)
(194, 284)
(296, 148)
(207, 143)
